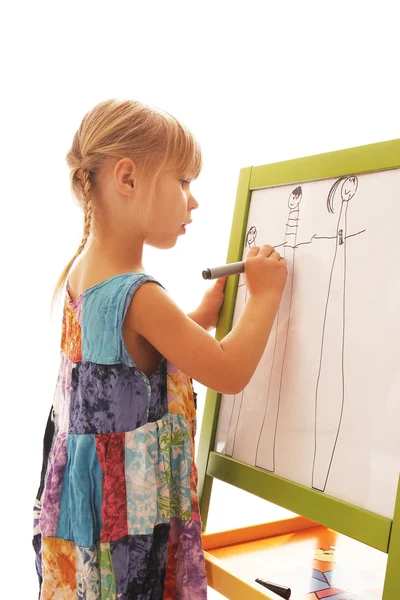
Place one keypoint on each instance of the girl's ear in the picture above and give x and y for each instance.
(124, 175)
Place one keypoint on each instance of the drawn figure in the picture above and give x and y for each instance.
(266, 373)
(242, 290)
(251, 238)
(265, 454)
(331, 380)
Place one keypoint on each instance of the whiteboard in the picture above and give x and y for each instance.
(323, 406)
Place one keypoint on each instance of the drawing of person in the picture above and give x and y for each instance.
(331, 376)
(251, 237)
(242, 291)
(279, 342)
(265, 453)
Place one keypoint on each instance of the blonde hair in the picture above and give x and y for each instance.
(154, 139)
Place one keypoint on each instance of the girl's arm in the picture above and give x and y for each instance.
(200, 319)
(225, 366)
(207, 313)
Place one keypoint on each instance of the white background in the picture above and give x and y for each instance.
(257, 82)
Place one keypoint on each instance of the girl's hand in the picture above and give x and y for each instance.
(207, 313)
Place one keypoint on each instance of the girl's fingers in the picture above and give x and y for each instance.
(253, 251)
(275, 256)
(222, 280)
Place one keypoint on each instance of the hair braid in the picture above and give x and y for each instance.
(87, 207)
(80, 176)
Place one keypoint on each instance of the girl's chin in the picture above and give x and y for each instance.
(163, 243)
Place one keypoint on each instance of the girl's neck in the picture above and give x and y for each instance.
(106, 260)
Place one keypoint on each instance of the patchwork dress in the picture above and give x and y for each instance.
(116, 515)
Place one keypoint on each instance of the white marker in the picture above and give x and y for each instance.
(229, 269)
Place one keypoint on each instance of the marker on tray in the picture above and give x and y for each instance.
(229, 269)
(280, 590)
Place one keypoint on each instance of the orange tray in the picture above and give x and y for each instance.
(315, 562)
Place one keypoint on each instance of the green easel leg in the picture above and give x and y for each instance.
(391, 591)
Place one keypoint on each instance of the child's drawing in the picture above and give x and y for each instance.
(328, 415)
(265, 454)
(279, 342)
(251, 237)
(249, 243)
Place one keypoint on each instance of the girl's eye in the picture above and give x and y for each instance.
(184, 181)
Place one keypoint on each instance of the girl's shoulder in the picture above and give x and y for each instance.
(97, 314)
(110, 285)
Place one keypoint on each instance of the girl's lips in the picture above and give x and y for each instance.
(183, 226)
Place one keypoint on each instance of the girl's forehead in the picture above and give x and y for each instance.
(184, 172)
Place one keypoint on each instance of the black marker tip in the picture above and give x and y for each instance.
(280, 590)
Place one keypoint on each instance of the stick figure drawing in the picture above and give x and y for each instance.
(270, 376)
(331, 373)
(265, 453)
(242, 290)
(271, 408)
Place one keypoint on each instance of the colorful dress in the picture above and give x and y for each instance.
(116, 515)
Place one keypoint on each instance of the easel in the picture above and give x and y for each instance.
(314, 507)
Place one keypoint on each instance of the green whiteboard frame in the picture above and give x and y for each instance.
(375, 530)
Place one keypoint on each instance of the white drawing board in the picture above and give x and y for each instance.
(323, 406)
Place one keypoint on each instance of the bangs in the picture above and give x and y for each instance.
(184, 152)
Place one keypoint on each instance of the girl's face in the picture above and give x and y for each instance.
(173, 205)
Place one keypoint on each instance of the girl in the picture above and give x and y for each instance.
(116, 514)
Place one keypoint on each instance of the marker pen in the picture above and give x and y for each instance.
(280, 590)
(229, 269)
